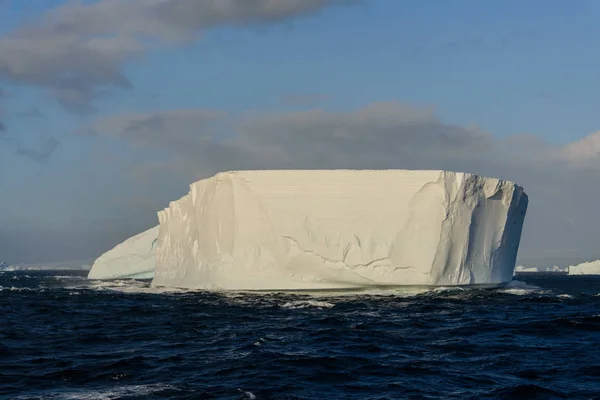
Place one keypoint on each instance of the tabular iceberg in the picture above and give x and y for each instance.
(533, 270)
(520, 268)
(586, 268)
(328, 229)
(132, 259)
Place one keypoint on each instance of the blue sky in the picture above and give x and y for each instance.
(509, 68)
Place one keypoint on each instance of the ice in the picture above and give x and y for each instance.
(586, 268)
(48, 267)
(532, 270)
(338, 229)
(132, 259)
(520, 268)
(4, 266)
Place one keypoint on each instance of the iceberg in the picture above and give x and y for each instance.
(132, 259)
(4, 266)
(520, 268)
(340, 229)
(586, 268)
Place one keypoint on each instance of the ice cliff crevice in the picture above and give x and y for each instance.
(325, 229)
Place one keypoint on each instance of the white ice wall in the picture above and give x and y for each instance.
(586, 268)
(132, 259)
(340, 229)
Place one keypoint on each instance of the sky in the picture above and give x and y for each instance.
(109, 109)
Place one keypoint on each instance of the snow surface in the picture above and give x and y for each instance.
(326, 229)
(586, 268)
(132, 259)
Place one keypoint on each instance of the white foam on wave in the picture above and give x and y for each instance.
(520, 288)
(444, 289)
(320, 299)
(121, 392)
(402, 292)
(309, 299)
(61, 277)
(15, 289)
(132, 286)
(247, 395)
(299, 304)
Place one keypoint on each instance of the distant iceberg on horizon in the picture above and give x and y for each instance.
(532, 270)
(586, 268)
(329, 229)
(4, 266)
(48, 266)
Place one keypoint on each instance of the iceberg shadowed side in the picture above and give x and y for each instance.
(132, 259)
(329, 229)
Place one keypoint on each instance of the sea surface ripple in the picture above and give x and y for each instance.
(64, 337)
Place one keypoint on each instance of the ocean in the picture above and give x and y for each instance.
(64, 337)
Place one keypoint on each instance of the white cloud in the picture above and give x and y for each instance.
(78, 50)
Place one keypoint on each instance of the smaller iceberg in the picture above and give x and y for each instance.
(4, 266)
(132, 259)
(522, 269)
(586, 268)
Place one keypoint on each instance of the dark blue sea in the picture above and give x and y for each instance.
(63, 337)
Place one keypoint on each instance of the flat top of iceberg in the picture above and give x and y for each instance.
(345, 171)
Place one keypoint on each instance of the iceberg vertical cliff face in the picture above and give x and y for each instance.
(132, 259)
(269, 230)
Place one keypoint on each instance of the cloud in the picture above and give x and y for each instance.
(47, 148)
(562, 189)
(380, 135)
(77, 50)
(584, 152)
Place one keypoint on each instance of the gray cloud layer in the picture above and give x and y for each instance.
(46, 149)
(563, 182)
(77, 50)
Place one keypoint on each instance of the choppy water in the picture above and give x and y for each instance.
(63, 337)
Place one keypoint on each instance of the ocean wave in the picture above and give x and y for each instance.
(17, 289)
(121, 340)
(120, 392)
(299, 304)
(520, 288)
(130, 286)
